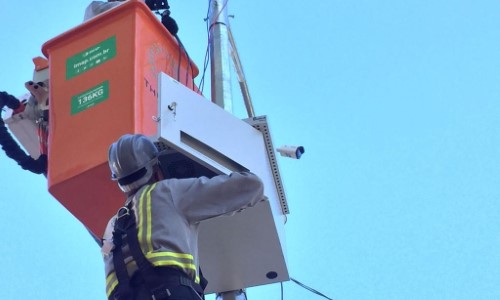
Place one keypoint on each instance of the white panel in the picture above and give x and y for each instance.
(24, 129)
(235, 252)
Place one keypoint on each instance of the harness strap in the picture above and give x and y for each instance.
(157, 280)
(145, 267)
(123, 289)
(172, 278)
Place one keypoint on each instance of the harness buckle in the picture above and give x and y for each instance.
(161, 293)
(122, 212)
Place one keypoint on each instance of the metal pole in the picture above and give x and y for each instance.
(219, 55)
(221, 82)
(233, 295)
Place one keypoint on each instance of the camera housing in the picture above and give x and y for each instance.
(157, 5)
(291, 151)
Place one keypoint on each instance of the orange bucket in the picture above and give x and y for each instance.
(103, 84)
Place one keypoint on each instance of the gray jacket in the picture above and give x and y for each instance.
(168, 215)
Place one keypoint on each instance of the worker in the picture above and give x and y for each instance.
(150, 248)
(98, 7)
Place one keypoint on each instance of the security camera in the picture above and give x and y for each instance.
(291, 151)
(157, 5)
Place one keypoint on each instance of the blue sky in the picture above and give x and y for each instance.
(397, 105)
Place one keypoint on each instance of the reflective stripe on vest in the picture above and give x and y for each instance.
(158, 259)
(183, 261)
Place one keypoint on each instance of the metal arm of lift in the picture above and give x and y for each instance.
(241, 75)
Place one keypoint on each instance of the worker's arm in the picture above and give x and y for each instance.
(204, 198)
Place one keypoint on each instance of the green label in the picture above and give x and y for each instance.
(90, 98)
(90, 58)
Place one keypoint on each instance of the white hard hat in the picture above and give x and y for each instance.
(131, 159)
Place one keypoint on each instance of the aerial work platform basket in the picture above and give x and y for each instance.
(122, 72)
(103, 83)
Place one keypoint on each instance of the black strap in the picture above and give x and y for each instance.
(125, 232)
(203, 280)
(11, 147)
(122, 221)
(146, 269)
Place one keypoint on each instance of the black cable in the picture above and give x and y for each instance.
(173, 28)
(205, 66)
(310, 289)
(189, 63)
(170, 24)
(179, 60)
(201, 85)
(10, 146)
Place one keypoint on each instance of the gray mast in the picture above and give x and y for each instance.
(221, 81)
(219, 55)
